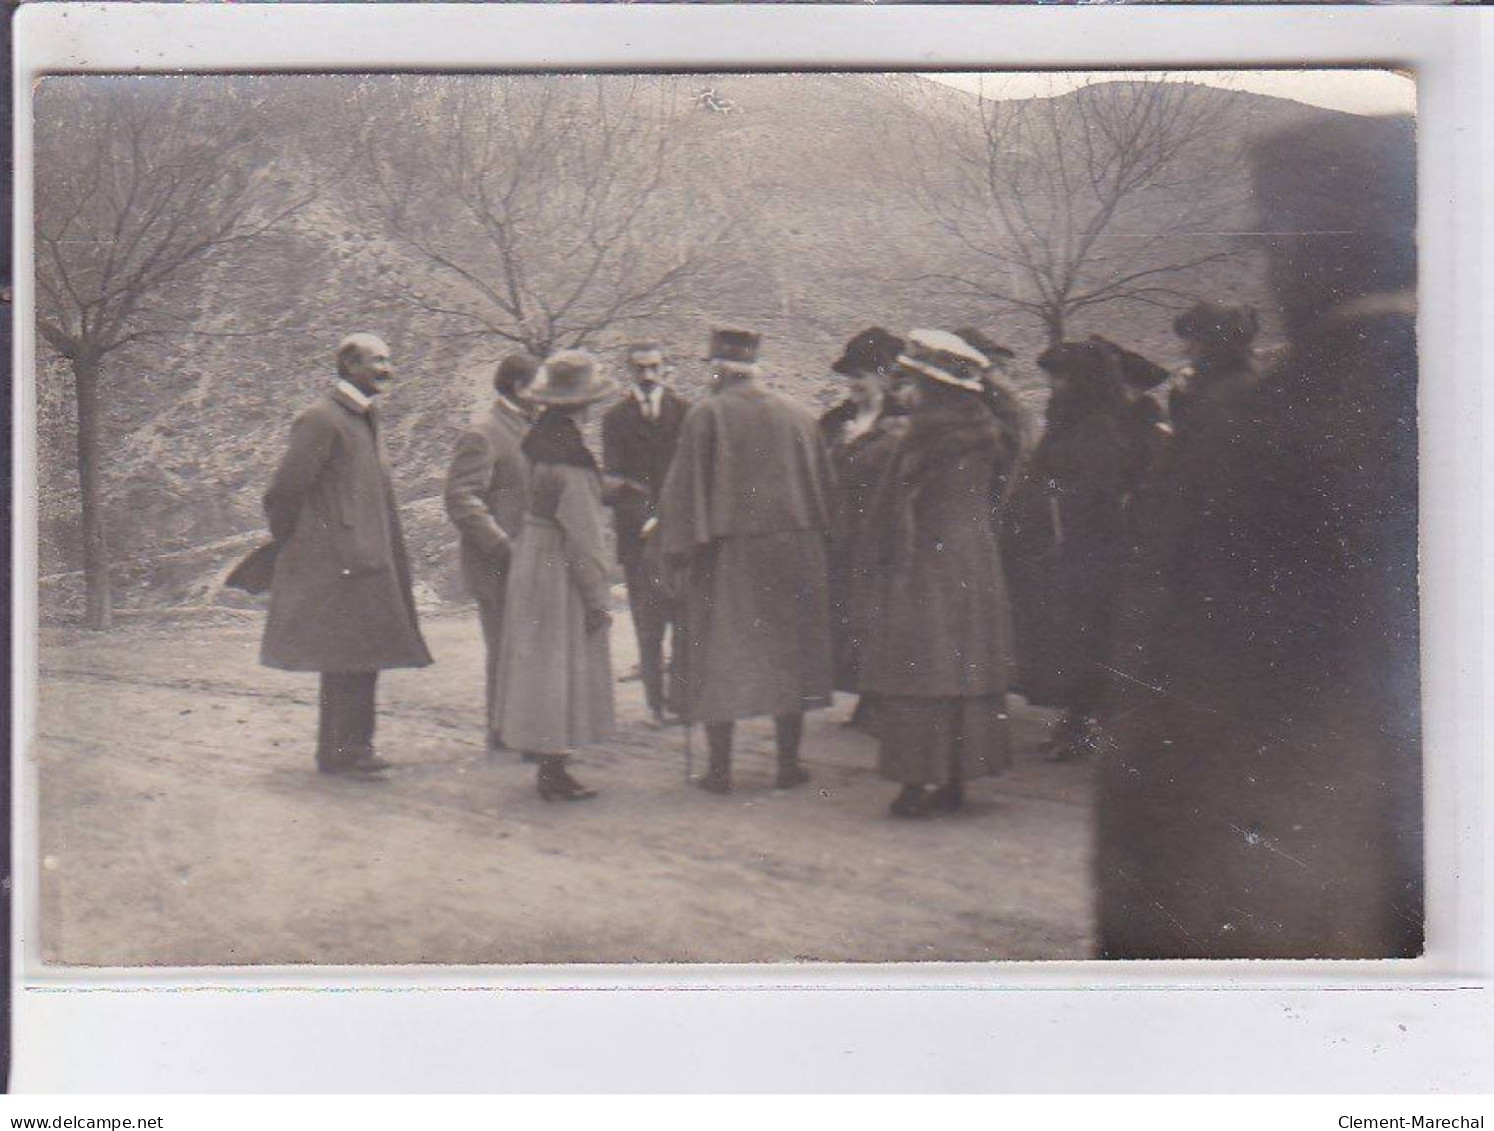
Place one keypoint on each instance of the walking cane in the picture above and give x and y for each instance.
(678, 670)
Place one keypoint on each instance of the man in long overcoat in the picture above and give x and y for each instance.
(745, 512)
(1262, 798)
(639, 437)
(341, 601)
(486, 496)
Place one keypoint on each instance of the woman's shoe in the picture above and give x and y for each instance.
(950, 797)
(560, 786)
(914, 801)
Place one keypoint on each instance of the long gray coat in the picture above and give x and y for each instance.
(486, 496)
(341, 599)
(555, 686)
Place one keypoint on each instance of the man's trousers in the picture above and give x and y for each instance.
(652, 610)
(345, 729)
(490, 615)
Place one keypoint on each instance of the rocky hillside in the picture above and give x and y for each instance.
(828, 244)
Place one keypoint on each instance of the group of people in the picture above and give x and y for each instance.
(785, 557)
(1213, 572)
(740, 525)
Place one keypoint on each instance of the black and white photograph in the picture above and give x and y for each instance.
(499, 519)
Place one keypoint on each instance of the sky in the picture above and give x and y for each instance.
(1356, 91)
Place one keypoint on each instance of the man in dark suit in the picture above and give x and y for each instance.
(341, 602)
(639, 435)
(487, 492)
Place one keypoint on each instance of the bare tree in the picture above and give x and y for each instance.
(1111, 194)
(537, 210)
(138, 185)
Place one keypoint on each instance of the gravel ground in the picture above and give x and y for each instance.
(181, 823)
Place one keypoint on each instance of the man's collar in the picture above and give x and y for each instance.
(358, 398)
(650, 401)
(733, 380)
(510, 405)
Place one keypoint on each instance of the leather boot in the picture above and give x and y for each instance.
(556, 784)
(789, 731)
(717, 778)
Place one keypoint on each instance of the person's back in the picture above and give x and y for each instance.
(939, 621)
(744, 517)
(766, 466)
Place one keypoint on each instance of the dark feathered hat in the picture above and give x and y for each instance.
(1092, 362)
(872, 349)
(1136, 371)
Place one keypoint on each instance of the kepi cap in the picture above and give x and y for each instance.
(737, 346)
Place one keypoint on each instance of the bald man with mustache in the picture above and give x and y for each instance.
(341, 602)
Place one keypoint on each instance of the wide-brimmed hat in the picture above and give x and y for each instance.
(995, 352)
(737, 347)
(569, 378)
(946, 358)
(1216, 324)
(873, 349)
(1138, 372)
(1093, 362)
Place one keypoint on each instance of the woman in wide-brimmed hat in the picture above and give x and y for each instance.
(938, 648)
(555, 668)
(1001, 400)
(861, 432)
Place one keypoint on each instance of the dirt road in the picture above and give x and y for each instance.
(182, 824)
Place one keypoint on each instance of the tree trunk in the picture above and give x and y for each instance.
(1054, 321)
(99, 612)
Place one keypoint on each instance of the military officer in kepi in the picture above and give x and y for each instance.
(744, 514)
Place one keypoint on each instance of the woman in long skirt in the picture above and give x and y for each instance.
(938, 653)
(555, 666)
(862, 433)
(1068, 537)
